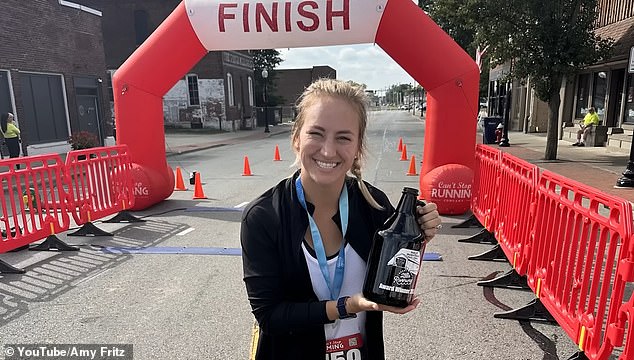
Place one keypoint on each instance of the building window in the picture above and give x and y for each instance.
(109, 85)
(629, 100)
(230, 89)
(192, 90)
(583, 92)
(140, 26)
(250, 91)
(600, 88)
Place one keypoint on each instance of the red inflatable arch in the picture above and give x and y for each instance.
(195, 27)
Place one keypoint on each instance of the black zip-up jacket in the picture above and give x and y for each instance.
(290, 316)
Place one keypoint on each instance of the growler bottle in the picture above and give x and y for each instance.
(395, 256)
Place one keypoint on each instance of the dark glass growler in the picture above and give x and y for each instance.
(396, 255)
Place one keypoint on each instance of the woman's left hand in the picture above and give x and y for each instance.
(429, 220)
(358, 303)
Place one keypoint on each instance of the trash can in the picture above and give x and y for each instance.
(489, 125)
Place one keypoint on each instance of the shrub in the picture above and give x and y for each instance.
(83, 140)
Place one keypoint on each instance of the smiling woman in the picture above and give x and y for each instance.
(306, 241)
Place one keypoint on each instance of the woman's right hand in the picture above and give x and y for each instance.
(357, 303)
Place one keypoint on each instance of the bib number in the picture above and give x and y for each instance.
(352, 354)
(344, 348)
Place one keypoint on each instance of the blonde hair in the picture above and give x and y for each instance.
(355, 96)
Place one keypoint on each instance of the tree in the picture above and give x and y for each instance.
(453, 16)
(397, 93)
(265, 59)
(544, 41)
(354, 83)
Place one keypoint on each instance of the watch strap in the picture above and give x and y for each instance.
(341, 308)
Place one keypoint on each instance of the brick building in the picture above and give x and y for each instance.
(51, 72)
(290, 83)
(607, 86)
(216, 93)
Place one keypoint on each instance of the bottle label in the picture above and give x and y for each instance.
(406, 263)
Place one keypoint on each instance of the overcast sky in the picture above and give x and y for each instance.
(365, 64)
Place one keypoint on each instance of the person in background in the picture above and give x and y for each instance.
(11, 135)
(306, 241)
(591, 119)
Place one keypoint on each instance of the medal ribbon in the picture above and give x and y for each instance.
(335, 286)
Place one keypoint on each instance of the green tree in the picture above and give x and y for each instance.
(266, 59)
(544, 41)
(454, 17)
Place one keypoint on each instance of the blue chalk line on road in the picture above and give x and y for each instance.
(183, 250)
(213, 208)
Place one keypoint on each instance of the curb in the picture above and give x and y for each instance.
(225, 143)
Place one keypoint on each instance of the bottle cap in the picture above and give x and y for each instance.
(410, 190)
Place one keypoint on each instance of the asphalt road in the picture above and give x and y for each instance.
(193, 305)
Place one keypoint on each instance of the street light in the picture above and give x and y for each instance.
(265, 74)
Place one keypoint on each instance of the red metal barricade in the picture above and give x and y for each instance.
(100, 182)
(32, 200)
(517, 190)
(581, 260)
(487, 173)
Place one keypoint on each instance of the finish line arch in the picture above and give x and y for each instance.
(195, 27)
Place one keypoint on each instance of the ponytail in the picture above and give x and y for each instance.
(3, 122)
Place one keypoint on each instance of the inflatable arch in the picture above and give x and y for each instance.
(402, 29)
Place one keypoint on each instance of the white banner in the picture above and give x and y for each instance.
(237, 25)
(631, 66)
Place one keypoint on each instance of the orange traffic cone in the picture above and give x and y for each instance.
(277, 154)
(247, 168)
(198, 188)
(180, 185)
(404, 153)
(412, 167)
(400, 145)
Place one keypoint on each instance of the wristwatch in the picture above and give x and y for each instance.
(341, 308)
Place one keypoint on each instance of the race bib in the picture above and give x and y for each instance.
(344, 348)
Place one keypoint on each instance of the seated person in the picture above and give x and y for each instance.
(591, 119)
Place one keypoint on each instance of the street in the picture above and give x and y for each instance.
(177, 301)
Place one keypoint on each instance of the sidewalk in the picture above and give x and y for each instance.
(594, 166)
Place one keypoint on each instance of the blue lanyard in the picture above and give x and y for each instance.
(318, 244)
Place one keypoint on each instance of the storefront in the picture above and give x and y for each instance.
(628, 116)
(610, 91)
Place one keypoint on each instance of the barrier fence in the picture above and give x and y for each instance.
(574, 243)
(487, 176)
(101, 182)
(581, 237)
(39, 197)
(32, 200)
(518, 181)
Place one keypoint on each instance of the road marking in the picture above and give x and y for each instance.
(241, 204)
(186, 231)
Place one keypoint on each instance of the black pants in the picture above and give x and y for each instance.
(14, 148)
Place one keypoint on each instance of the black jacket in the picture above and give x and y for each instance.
(290, 316)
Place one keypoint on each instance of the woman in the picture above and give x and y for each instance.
(301, 315)
(11, 134)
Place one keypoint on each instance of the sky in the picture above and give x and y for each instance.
(364, 63)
